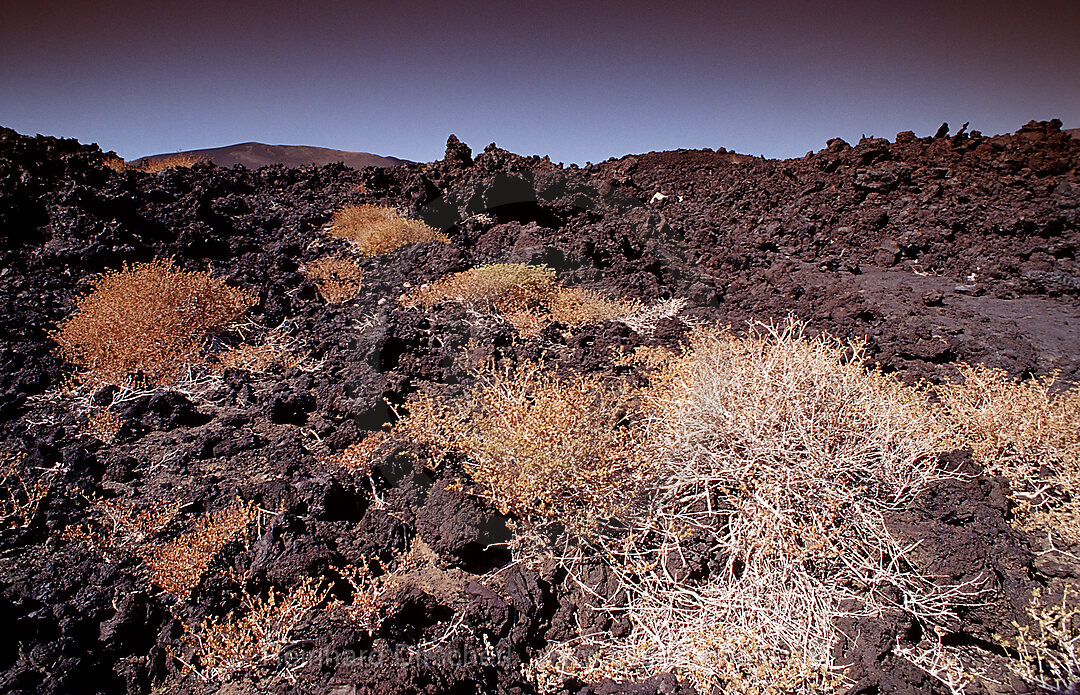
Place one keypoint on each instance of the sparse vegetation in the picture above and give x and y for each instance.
(253, 637)
(1028, 432)
(379, 229)
(119, 530)
(1048, 646)
(148, 319)
(156, 164)
(543, 447)
(776, 456)
(338, 279)
(178, 565)
(526, 296)
(104, 425)
(20, 496)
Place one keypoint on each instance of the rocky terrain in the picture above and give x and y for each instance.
(937, 251)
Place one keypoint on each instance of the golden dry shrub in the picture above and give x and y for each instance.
(362, 456)
(148, 318)
(543, 447)
(1029, 432)
(226, 648)
(115, 163)
(527, 296)
(104, 425)
(338, 279)
(379, 229)
(159, 164)
(154, 165)
(178, 565)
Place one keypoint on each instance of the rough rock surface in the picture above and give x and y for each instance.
(935, 250)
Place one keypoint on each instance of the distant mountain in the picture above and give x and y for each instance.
(257, 154)
(1075, 132)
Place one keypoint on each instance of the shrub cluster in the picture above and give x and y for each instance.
(774, 459)
(526, 296)
(148, 319)
(338, 279)
(153, 166)
(379, 229)
(543, 447)
(178, 565)
(1028, 432)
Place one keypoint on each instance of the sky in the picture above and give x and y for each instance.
(576, 81)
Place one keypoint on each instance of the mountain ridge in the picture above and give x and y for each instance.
(258, 154)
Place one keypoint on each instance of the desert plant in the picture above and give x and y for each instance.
(20, 496)
(119, 529)
(543, 447)
(255, 636)
(148, 319)
(774, 458)
(178, 565)
(379, 229)
(1029, 432)
(155, 164)
(1048, 645)
(104, 425)
(528, 297)
(338, 279)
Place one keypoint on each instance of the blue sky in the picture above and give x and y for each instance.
(576, 82)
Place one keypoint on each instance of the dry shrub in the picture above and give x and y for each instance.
(104, 425)
(178, 565)
(379, 229)
(774, 458)
(278, 348)
(155, 165)
(1028, 432)
(362, 456)
(543, 447)
(240, 643)
(338, 279)
(528, 297)
(782, 453)
(20, 497)
(370, 602)
(115, 163)
(1048, 646)
(119, 529)
(148, 318)
(158, 164)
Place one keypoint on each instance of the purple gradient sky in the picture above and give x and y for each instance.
(575, 82)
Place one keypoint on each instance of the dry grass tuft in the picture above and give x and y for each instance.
(178, 565)
(379, 229)
(1028, 432)
(149, 319)
(338, 279)
(528, 297)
